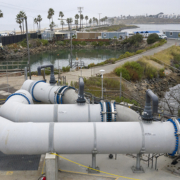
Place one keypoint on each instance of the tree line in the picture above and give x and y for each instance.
(20, 19)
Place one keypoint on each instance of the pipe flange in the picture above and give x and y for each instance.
(19, 95)
(176, 137)
(63, 91)
(101, 104)
(33, 89)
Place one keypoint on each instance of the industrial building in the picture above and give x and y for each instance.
(172, 34)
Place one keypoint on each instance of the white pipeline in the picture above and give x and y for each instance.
(83, 138)
(47, 93)
(18, 109)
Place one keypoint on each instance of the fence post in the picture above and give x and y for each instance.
(25, 73)
(7, 80)
(120, 83)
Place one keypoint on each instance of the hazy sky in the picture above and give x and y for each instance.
(91, 8)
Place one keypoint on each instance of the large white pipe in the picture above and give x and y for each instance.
(47, 93)
(44, 92)
(17, 109)
(83, 138)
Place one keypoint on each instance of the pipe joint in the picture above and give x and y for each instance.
(148, 111)
(52, 78)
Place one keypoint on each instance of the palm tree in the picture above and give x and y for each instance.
(39, 19)
(76, 22)
(36, 22)
(106, 19)
(1, 14)
(61, 14)
(22, 15)
(62, 23)
(94, 19)
(82, 17)
(49, 17)
(86, 18)
(52, 25)
(50, 13)
(19, 21)
(90, 22)
(69, 21)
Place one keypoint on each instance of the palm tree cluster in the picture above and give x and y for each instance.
(20, 20)
(104, 19)
(38, 20)
(69, 21)
(50, 16)
(1, 14)
(61, 14)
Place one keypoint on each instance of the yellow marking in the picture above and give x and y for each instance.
(86, 173)
(94, 169)
(9, 172)
(42, 172)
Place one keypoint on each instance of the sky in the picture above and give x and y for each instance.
(91, 8)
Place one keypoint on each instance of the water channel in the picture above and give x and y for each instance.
(61, 57)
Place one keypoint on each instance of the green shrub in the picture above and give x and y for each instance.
(135, 39)
(15, 51)
(152, 38)
(44, 42)
(177, 66)
(179, 113)
(161, 72)
(23, 43)
(38, 42)
(91, 65)
(140, 51)
(66, 69)
(124, 71)
(60, 43)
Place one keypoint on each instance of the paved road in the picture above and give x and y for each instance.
(72, 76)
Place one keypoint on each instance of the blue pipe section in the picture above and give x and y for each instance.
(19, 94)
(33, 89)
(114, 110)
(57, 98)
(101, 111)
(59, 91)
(64, 92)
(176, 136)
(108, 110)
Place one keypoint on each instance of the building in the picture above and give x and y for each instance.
(146, 33)
(172, 34)
(88, 35)
(112, 35)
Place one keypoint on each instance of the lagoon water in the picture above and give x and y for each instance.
(61, 57)
(154, 27)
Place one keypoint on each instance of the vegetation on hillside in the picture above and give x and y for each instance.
(113, 28)
(152, 38)
(135, 71)
(128, 54)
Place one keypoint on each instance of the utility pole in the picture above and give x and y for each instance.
(99, 18)
(28, 47)
(80, 11)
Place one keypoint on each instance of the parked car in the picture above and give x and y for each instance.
(4, 34)
(162, 36)
(12, 33)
